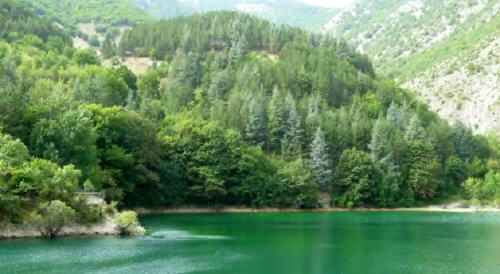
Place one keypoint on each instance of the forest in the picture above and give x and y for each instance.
(236, 111)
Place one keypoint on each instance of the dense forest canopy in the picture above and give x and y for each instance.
(235, 111)
(70, 12)
(18, 22)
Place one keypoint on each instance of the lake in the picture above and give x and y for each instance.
(344, 242)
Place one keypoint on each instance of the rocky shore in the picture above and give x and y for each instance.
(106, 227)
(455, 207)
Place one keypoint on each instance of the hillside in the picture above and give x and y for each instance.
(446, 51)
(41, 195)
(293, 12)
(296, 95)
(18, 22)
(234, 111)
(71, 12)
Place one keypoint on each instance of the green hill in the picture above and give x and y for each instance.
(18, 22)
(71, 12)
(234, 111)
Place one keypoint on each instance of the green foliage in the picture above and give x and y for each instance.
(68, 138)
(99, 85)
(356, 178)
(18, 22)
(50, 218)
(291, 143)
(486, 190)
(70, 12)
(423, 169)
(256, 126)
(128, 224)
(227, 118)
(94, 41)
(297, 187)
(320, 161)
(86, 57)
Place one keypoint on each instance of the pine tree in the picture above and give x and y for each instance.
(255, 129)
(177, 69)
(320, 159)
(185, 70)
(291, 143)
(193, 69)
(378, 141)
(398, 116)
(314, 111)
(277, 117)
(393, 114)
(238, 49)
(414, 131)
(108, 47)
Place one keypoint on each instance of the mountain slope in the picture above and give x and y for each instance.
(71, 12)
(293, 12)
(297, 95)
(439, 48)
(235, 111)
(18, 22)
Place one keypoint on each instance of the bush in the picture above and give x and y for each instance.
(94, 41)
(51, 217)
(296, 187)
(128, 224)
(486, 190)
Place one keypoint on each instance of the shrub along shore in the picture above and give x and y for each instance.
(123, 224)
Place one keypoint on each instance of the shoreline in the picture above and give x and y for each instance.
(105, 228)
(235, 210)
(108, 227)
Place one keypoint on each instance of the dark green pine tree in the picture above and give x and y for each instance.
(277, 117)
(255, 130)
(320, 161)
(291, 145)
(414, 131)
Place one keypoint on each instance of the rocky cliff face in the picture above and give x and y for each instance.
(465, 89)
(446, 51)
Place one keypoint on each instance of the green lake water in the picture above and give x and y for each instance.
(375, 242)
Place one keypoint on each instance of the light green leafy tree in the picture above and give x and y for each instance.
(51, 217)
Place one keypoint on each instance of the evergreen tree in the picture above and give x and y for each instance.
(463, 140)
(378, 142)
(185, 70)
(414, 131)
(277, 117)
(398, 116)
(313, 119)
(291, 143)
(423, 169)
(220, 85)
(108, 47)
(238, 49)
(255, 130)
(320, 159)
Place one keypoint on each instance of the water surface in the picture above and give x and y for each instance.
(374, 242)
